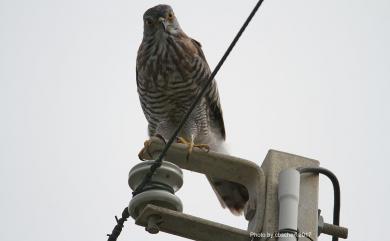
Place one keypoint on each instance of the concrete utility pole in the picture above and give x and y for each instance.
(283, 203)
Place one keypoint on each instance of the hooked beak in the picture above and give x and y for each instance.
(163, 22)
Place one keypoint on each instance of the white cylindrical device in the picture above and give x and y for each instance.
(288, 196)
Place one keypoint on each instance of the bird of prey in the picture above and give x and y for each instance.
(171, 70)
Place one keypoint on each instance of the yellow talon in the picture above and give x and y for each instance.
(191, 145)
(145, 149)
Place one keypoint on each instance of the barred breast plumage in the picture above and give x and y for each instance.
(171, 70)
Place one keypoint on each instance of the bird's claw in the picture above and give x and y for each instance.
(203, 147)
(145, 150)
(191, 145)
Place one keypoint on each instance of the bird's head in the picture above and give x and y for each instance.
(160, 20)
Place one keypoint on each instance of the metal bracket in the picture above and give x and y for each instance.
(221, 166)
(262, 184)
(188, 226)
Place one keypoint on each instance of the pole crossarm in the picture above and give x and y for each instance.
(189, 226)
(221, 166)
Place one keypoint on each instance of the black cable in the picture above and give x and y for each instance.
(157, 163)
(153, 185)
(336, 189)
(118, 227)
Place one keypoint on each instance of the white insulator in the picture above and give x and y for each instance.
(288, 196)
(166, 180)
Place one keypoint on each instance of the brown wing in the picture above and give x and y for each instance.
(212, 96)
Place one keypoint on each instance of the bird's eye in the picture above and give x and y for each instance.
(148, 21)
(170, 16)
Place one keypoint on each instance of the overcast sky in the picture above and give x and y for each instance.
(308, 77)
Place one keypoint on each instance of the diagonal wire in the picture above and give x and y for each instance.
(119, 225)
(157, 163)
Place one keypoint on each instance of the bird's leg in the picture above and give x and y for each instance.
(191, 145)
(145, 149)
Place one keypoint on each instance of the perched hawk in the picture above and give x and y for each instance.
(171, 70)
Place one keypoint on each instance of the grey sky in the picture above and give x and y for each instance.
(308, 77)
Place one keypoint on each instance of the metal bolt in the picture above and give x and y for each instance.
(153, 222)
